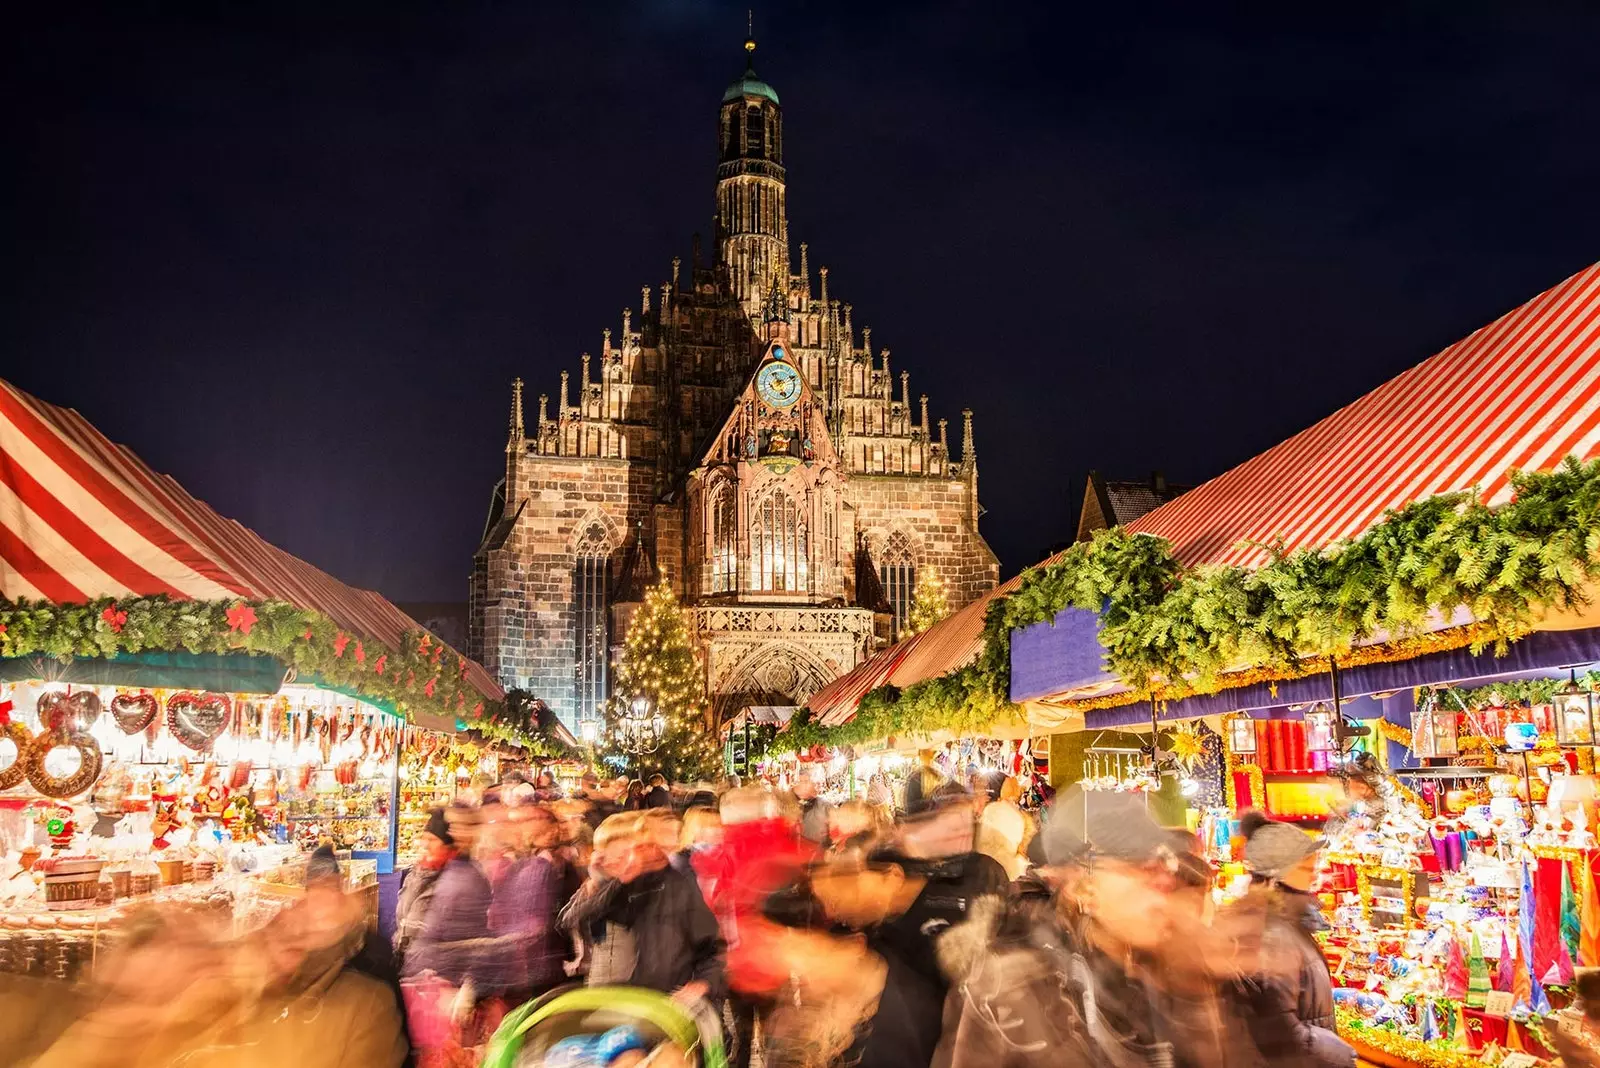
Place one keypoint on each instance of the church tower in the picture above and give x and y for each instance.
(752, 219)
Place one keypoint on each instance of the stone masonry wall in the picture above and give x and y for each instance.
(528, 608)
(934, 513)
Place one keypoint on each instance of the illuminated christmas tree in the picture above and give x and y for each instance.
(656, 719)
(928, 602)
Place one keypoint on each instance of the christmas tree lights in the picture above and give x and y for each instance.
(659, 663)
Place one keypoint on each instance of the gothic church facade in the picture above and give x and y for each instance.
(738, 435)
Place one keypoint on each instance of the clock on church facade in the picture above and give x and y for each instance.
(741, 437)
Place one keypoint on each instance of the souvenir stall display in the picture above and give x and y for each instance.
(1462, 895)
(111, 795)
(434, 767)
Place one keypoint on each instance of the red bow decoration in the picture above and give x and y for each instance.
(428, 689)
(5, 712)
(383, 658)
(339, 643)
(115, 618)
(241, 617)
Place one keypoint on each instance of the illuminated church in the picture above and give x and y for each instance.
(738, 434)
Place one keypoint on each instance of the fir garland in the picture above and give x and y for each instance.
(1169, 632)
(422, 675)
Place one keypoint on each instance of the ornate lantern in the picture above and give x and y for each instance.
(1435, 729)
(1319, 729)
(641, 728)
(1574, 713)
(1242, 735)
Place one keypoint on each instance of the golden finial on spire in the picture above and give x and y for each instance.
(750, 36)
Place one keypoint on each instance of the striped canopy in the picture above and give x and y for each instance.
(1522, 392)
(81, 518)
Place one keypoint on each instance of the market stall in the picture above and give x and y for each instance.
(182, 705)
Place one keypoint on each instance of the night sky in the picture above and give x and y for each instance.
(294, 253)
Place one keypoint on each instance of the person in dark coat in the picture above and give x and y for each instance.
(1118, 975)
(644, 922)
(1287, 997)
(659, 795)
(443, 913)
(526, 901)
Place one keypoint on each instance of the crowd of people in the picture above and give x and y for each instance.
(951, 929)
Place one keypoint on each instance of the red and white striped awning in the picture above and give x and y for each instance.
(81, 518)
(1522, 392)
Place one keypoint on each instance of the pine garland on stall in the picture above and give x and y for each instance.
(1169, 632)
(659, 662)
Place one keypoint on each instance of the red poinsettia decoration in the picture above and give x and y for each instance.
(307, 634)
(428, 689)
(422, 646)
(438, 650)
(411, 679)
(461, 701)
(241, 617)
(5, 712)
(477, 710)
(361, 654)
(380, 664)
(115, 618)
(339, 643)
(463, 667)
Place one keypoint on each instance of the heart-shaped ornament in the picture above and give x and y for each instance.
(134, 712)
(86, 708)
(54, 708)
(197, 719)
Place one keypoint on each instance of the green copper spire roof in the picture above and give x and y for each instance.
(750, 85)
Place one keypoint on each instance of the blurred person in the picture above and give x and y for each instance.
(632, 798)
(657, 794)
(1114, 976)
(936, 843)
(813, 809)
(856, 828)
(441, 943)
(701, 830)
(599, 800)
(1004, 830)
(645, 923)
(176, 991)
(1288, 995)
(523, 910)
(760, 851)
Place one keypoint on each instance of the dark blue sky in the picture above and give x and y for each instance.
(293, 253)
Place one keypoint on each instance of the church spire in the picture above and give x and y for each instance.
(752, 229)
(518, 434)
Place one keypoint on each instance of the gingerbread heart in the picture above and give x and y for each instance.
(86, 708)
(197, 719)
(134, 712)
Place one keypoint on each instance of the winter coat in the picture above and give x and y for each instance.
(952, 886)
(1030, 994)
(334, 1018)
(523, 915)
(657, 797)
(753, 859)
(1287, 1004)
(671, 934)
(452, 933)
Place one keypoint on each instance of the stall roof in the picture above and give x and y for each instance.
(82, 517)
(948, 645)
(1522, 392)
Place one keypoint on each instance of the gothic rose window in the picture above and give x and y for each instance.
(778, 545)
(590, 577)
(724, 538)
(897, 568)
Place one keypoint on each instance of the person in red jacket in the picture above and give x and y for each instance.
(760, 852)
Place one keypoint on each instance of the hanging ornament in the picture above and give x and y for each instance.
(74, 782)
(16, 770)
(133, 712)
(197, 720)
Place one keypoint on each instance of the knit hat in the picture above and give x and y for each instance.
(439, 827)
(1276, 847)
(1102, 823)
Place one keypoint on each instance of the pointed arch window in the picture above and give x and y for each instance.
(755, 133)
(724, 539)
(591, 569)
(778, 546)
(897, 569)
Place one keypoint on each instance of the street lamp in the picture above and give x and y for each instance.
(1574, 713)
(641, 728)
